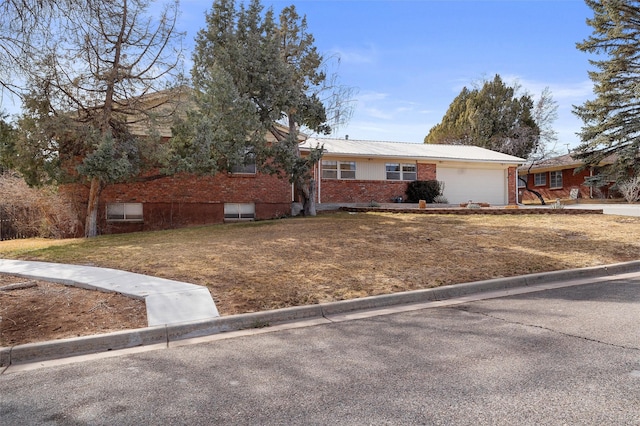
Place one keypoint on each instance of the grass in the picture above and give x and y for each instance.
(272, 264)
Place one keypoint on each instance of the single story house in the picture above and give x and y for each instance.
(358, 171)
(556, 178)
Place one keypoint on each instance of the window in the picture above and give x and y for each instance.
(128, 212)
(330, 169)
(347, 170)
(338, 169)
(409, 172)
(393, 171)
(248, 167)
(555, 179)
(237, 212)
(522, 181)
(540, 179)
(397, 171)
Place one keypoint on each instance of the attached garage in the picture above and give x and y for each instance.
(464, 183)
(357, 171)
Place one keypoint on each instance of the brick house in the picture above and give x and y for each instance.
(350, 172)
(356, 171)
(184, 199)
(557, 178)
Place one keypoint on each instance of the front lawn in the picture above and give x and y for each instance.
(273, 264)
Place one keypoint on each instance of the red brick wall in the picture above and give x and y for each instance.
(426, 171)
(512, 176)
(361, 191)
(184, 200)
(569, 181)
(185, 188)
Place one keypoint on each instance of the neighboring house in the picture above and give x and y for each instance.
(556, 178)
(357, 171)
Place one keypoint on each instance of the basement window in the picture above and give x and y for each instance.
(124, 212)
(234, 212)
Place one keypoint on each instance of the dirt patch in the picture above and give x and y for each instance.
(49, 311)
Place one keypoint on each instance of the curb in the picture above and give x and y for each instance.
(165, 334)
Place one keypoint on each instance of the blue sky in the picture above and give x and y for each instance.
(409, 59)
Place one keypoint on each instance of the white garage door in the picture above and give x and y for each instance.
(478, 185)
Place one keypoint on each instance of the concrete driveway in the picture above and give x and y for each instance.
(617, 209)
(563, 356)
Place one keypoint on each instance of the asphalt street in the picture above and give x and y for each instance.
(564, 356)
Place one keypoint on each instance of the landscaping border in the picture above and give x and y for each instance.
(468, 211)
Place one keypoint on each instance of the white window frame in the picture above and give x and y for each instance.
(329, 169)
(555, 179)
(409, 174)
(395, 173)
(332, 169)
(346, 169)
(239, 212)
(124, 212)
(401, 171)
(540, 179)
(522, 181)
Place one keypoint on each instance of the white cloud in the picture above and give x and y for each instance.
(367, 55)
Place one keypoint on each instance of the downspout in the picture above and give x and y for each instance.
(317, 170)
(517, 187)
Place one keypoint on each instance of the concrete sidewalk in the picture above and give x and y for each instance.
(188, 297)
(167, 301)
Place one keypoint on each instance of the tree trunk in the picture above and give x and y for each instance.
(536, 193)
(310, 201)
(306, 192)
(91, 222)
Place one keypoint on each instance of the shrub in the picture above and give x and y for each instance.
(440, 199)
(630, 189)
(426, 190)
(35, 212)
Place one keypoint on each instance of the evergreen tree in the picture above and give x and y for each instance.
(491, 117)
(612, 119)
(7, 144)
(270, 75)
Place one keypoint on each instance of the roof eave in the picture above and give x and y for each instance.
(418, 157)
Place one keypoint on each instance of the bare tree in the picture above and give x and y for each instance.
(545, 113)
(90, 83)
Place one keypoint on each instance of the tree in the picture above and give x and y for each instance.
(7, 144)
(270, 76)
(88, 86)
(492, 117)
(612, 119)
(545, 113)
(19, 33)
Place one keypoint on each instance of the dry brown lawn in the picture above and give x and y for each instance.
(272, 264)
